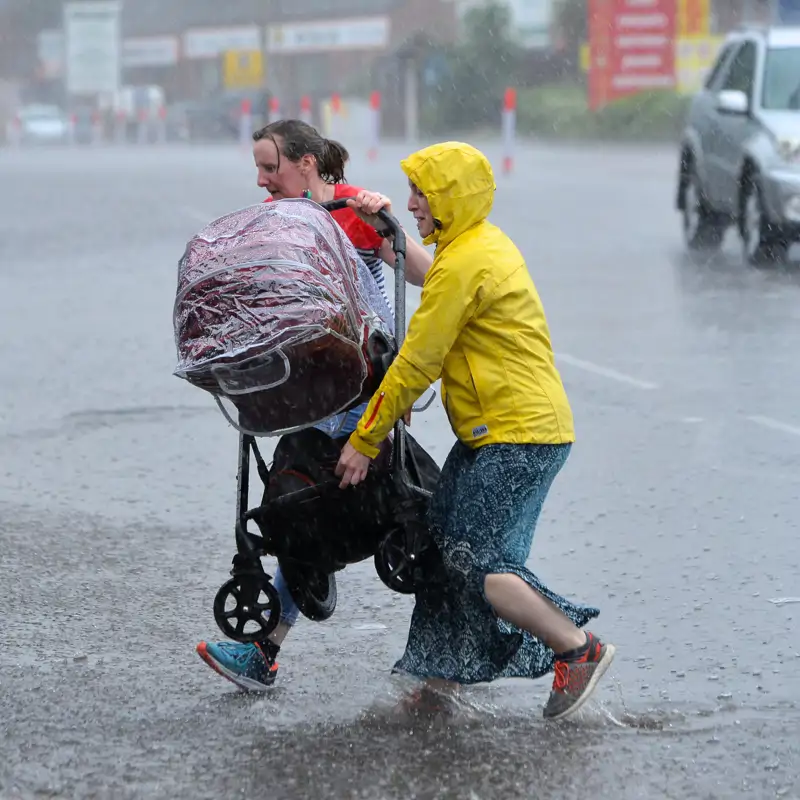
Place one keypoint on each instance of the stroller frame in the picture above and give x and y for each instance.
(405, 558)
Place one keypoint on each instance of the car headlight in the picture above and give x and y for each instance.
(789, 150)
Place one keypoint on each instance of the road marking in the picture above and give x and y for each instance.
(774, 424)
(612, 374)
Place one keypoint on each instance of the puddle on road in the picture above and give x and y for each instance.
(473, 748)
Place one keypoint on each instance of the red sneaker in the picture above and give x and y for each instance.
(576, 680)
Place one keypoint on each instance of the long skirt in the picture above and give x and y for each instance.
(483, 517)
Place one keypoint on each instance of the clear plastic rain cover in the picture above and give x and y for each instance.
(276, 313)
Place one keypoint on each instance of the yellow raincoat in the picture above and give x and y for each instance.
(480, 325)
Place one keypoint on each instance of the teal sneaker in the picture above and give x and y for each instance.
(247, 665)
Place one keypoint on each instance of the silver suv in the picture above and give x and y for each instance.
(740, 149)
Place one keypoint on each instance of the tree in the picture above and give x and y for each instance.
(478, 70)
(20, 22)
(572, 17)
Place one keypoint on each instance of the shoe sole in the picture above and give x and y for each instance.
(244, 683)
(602, 666)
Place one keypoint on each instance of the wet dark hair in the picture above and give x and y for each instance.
(298, 139)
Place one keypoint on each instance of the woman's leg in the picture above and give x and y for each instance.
(289, 610)
(520, 604)
(495, 495)
(338, 428)
(253, 667)
(580, 659)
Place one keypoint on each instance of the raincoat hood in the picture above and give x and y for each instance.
(459, 184)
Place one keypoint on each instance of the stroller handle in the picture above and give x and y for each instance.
(392, 224)
(399, 247)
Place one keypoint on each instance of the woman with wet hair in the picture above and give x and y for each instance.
(294, 160)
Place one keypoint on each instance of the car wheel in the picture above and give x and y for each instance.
(762, 242)
(702, 228)
(314, 590)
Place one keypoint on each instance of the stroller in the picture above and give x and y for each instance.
(275, 318)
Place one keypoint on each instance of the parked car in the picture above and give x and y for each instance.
(740, 148)
(42, 124)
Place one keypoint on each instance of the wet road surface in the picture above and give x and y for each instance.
(676, 514)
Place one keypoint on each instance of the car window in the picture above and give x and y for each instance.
(716, 71)
(782, 79)
(742, 72)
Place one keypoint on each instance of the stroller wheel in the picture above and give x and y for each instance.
(401, 558)
(314, 590)
(247, 608)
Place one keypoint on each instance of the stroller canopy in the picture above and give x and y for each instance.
(276, 312)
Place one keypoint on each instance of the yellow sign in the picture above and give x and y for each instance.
(694, 18)
(586, 57)
(243, 69)
(694, 57)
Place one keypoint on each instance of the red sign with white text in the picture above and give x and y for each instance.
(632, 48)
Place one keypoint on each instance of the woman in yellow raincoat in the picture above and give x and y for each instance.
(480, 327)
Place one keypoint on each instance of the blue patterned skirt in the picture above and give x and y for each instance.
(483, 517)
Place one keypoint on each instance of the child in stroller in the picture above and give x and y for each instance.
(277, 316)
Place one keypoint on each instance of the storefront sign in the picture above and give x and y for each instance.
(150, 51)
(213, 42)
(632, 48)
(364, 33)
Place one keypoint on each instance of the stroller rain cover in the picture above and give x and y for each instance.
(276, 313)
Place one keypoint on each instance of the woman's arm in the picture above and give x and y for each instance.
(418, 259)
(449, 300)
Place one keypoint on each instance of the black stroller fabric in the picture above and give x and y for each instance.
(346, 524)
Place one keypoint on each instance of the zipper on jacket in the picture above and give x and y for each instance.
(375, 410)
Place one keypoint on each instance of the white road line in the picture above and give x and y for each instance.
(774, 424)
(596, 369)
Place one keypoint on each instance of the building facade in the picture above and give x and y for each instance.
(194, 48)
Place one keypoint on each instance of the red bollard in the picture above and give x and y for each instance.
(274, 109)
(246, 123)
(144, 124)
(120, 127)
(375, 125)
(305, 109)
(335, 117)
(509, 129)
(162, 124)
(97, 127)
(14, 131)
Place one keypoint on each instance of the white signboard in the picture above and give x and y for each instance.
(150, 51)
(533, 19)
(213, 42)
(364, 33)
(92, 37)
